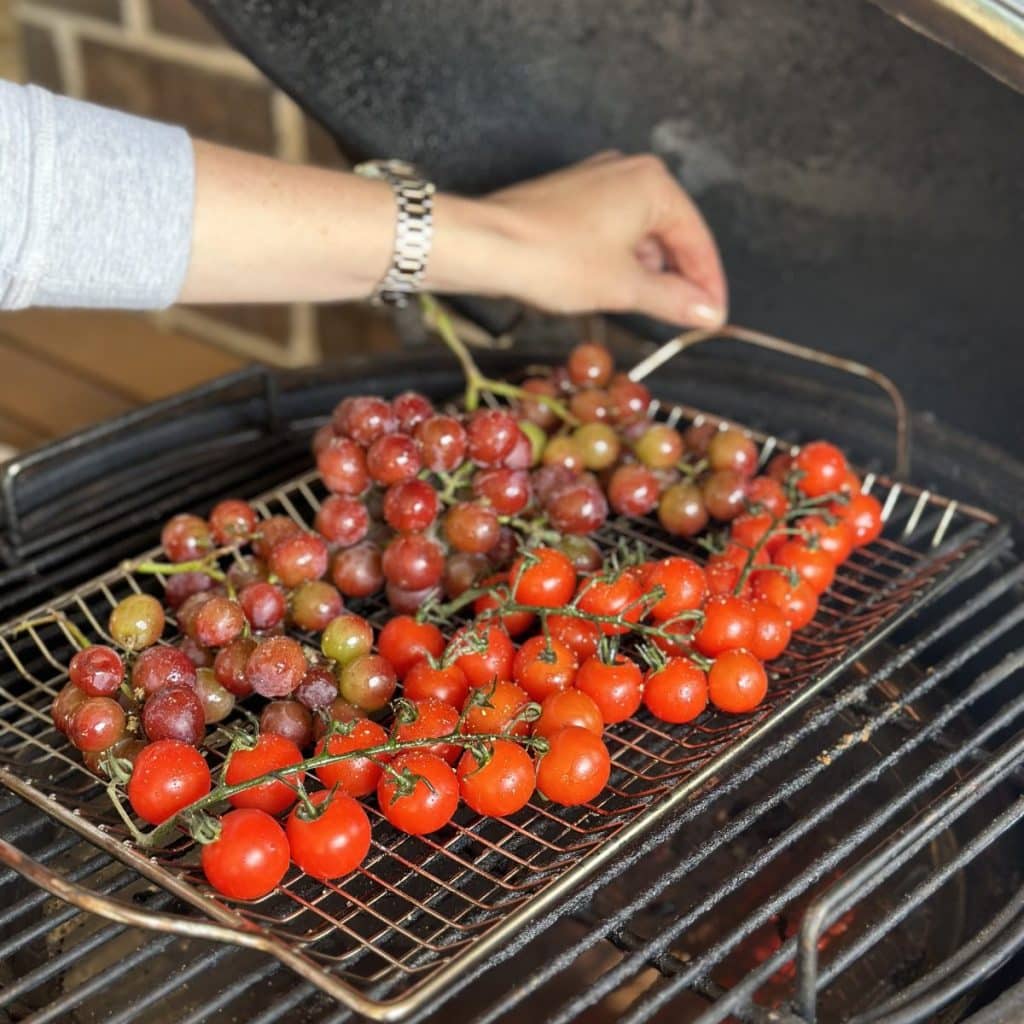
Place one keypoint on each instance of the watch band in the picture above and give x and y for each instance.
(414, 228)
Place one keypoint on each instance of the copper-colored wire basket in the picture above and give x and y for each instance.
(387, 938)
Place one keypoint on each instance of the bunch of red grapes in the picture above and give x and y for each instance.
(490, 509)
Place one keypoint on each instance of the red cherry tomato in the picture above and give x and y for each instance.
(771, 630)
(569, 707)
(504, 701)
(515, 623)
(249, 857)
(545, 577)
(270, 753)
(334, 843)
(737, 682)
(357, 776)
(812, 565)
(749, 530)
(543, 667)
(168, 775)
(611, 597)
(581, 636)
(863, 513)
(576, 767)
(403, 641)
(432, 799)
(798, 603)
(443, 682)
(680, 636)
(430, 718)
(676, 692)
(493, 661)
(684, 584)
(616, 689)
(502, 785)
(723, 576)
(835, 539)
(728, 623)
(823, 467)
(768, 494)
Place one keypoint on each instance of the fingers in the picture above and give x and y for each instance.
(667, 296)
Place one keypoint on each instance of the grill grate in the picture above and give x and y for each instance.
(421, 910)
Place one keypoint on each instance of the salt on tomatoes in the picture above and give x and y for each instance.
(271, 753)
(863, 514)
(335, 842)
(503, 784)
(426, 720)
(677, 692)
(822, 467)
(430, 679)
(167, 776)
(737, 682)
(771, 630)
(419, 794)
(683, 583)
(581, 636)
(618, 596)
(494, 708)
(798, 602)
(575, 768)
(515, 623)
(484, 653)
(356, 776)
(543, 577)
(403, 641)
(568, 707)
(248, 858)
(616, 688)
(835, 538)
(812, 565)
(543, 666)
(728, 622)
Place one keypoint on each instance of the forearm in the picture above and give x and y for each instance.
(267, 231)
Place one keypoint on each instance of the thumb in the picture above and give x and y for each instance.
(670, 297)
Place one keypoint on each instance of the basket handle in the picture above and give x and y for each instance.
(682, 342)
(123, 913)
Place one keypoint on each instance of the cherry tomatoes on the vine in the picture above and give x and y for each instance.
(419, 794)
(616, 597)
(616, 689)
(576, 767)
(168, 775)
(823, 467)
(504, 701)
(425, 720)
(271, 753)
(484, 653)
(503, 784)
(737, 682)
(249, 857)
(403, 641)
(863, 513)
(544, 577)
(677, 692)
(542, 667)
(333, 843)
(835, 538)
(569, 707)
(683, 582)
(581, 636)
(813, 565)
(799, 603)
(444, 682)
(728, 623)
(771, 630)
(515, 623)
(357, 776)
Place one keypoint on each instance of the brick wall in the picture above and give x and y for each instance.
(162, 59)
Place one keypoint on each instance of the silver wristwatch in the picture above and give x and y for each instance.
(414, 229)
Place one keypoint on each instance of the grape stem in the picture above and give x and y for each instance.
(161, 834)
(173, 568)
(476, 382)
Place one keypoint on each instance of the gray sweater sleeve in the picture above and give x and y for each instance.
(95, 206)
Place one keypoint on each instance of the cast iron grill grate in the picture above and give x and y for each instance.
(422, 910)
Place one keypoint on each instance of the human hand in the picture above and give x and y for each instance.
(613, 233)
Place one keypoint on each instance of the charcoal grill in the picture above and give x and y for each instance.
(740, 860)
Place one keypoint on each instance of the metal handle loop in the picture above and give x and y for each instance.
(682, 342)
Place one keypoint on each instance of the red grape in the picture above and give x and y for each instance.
(660, 446)
(299, 558)
(65, 704)
(508, 490)
(630, 399)
(185, 538)
(393, 458)
(183, 585)
(218, 701)
(276, 667)
(633, 490)
(403, 600)
(411, 408)
(137, 622)
(682, 511)
(314, 604)
(368, 681)
(230, 666)
(232, 520)
(368, 418)
(725, 494)
(565, 453)
(462, 570)
(218, 622)
(590, 364)
(442, 442)
(491, 435)
(594, 405)
(732, 449)
(471, 527)
(413, 563)
(318, 688)
(289, 719)
(96, 724)
(271, 532)
(97, 671)
(410, 506)
(342, 464)
(346, 638)
(357, 571)
(598, 444)
(174, 713)
(578, 508)
(342, 520)
(534, 411)
(159, 666)
(264, 604)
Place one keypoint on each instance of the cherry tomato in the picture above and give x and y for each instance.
(767, 494)
(771, 630)
(502, 785)
(426, 720)
(334, 843)
(835, 539)
(679, 639)
(798, 603)
(823, 467)
(515, 623)
(568, 707)
(684, 584)
(249, 857)
(543, 667)
(615, 597)
(432, 799)
(506, 700)
(616, 689)
(737, 682)
(863, 513)
(358, 776)
(576, 767)
(812, 565)
(167, 777)
(751, 529)
(581, 636)
(728, 623)
(270, 753)
(545, 578)
(493, 661)
(403, 641)
(677, 692)
(723, 575)
(443, 682)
